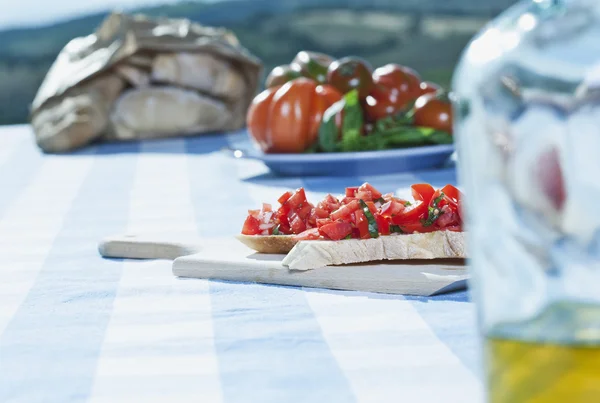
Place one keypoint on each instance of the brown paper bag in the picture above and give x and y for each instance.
(139, 78)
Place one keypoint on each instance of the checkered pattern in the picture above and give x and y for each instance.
(75, 327)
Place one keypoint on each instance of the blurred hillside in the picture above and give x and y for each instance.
(427, 35)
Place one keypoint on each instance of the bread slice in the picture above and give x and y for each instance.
(269, 243)
(308, 255)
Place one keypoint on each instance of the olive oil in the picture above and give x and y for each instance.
(554, 358)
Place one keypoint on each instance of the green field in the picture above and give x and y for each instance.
(430, 44)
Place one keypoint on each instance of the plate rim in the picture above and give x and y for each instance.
(353, 155)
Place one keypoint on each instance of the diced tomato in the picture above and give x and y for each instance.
(417, 226)
(364, 195)
(345, 210)
(297, 224)
(391, 208)
(347, 200)
(411, 214)
(452, 192)
(283, 214)
(308, 235)
(367, 187)
(321, 212)
(372, 207)
(383, 224)
(362, 224)
(351, 191)
(447, 219)
(267, 208)
(336, 231)
(331, 202)
(284, 197)
(297, 199)
(422, 192)
(304, 210)
(254, 213)
(251, 226)
(324, 221)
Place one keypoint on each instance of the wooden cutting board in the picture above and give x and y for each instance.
(228, 259)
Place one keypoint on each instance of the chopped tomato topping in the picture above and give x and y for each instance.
(308, 235)
(251, 226)
(422, 192)
(345, 210)
(362, 213)
(351, 191)
(367, 187)
(336, 230)
(284, 197)
(362, 224)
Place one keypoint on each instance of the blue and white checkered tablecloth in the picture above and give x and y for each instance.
(75, 327)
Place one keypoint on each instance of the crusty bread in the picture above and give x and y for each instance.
(308, 255)
(268, 243)
(313, 254)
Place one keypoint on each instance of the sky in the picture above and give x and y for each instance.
(19, 13)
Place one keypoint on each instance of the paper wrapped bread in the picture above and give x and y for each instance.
(138, 78)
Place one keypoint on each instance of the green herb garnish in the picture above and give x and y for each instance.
(373, 228)
(396, 229)
(433, 212)
(276, 230)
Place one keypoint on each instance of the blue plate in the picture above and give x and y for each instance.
(354, 163)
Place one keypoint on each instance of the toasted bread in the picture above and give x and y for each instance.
(281, 244)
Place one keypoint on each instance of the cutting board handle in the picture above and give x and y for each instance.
(146, 247)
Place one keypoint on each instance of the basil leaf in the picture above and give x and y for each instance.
(373, 228)
(328, 130)
(396, 229)
(432, 215)
(352, 125)
(276, 230)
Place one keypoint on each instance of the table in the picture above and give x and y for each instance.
(75, 327)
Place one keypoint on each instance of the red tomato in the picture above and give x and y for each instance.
(372, 207)
(409, 228)
(392, 207)
(251, 226)
(395, 86)
(351, 191)
(297, 224)
(351, 73)
(324, 221)
(431, 111)
(376, 194)
(422, 192)
(452, 193)
(267, 208)
(286, 119)
(382, 224)
(345, 210)
(362, 224)
(411, 214)
(336, 231)
(297, 199)
(284, 197)
(427, 87)
(308, 235)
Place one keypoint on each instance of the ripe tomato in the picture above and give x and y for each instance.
(351, 73)
(367, 187)
(395, 87)
(383, 225)
(391, 208)
(251, 226)
(411, 214)
(309, 234)
(281, 75)
(336, 230)
(422, 192)
(427, 87)
(312, 65)
(431, 111)
(362, 224)
(345, 210)
(351, 191)
(286, 119)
